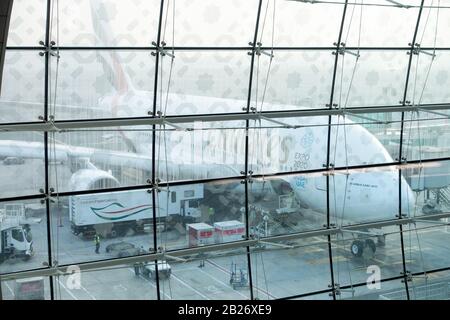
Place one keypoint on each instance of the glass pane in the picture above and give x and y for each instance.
(204, 82)
(106, 23)
(297, 80)
(36, 288)
(27, 23)
(220, 275)
(432, 286)
(365, 139)
(22, 167)
(273, 148)
(200, 150)
(121, 283)
(367, 255)
(370, 194)
(290, 268)
(429, 78)
(287, 204)
(123, 222)
(379, 79)
(434, 25)
(299, 24)
(102, 84)
(386, 290)
(212, 23)
(430, 181)
(24, 240)
(200, 214)
(425, 245)
(379, 26)
(425, 135)
(96, 159)
(22, 94)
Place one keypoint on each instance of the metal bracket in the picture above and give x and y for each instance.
(259, 50)
(50, 49)
(416, 50)
(50, 196)
(165, 122)
(342, 50)
(161, 50)
(154, 186)
(248, 177)
(408, 274)
(284, 124)
(336, 288)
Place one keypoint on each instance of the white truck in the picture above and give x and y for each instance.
(15, 234)
(114, 214)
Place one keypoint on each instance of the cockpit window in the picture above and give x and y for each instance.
(17, 234)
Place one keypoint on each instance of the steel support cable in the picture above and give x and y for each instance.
(345, 131)
(257, 152)
(260, 130)
(55, 236)
(255, 134)
(163, 110)
(266, 79)
(420, 138)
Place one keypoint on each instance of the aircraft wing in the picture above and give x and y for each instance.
(66, 153)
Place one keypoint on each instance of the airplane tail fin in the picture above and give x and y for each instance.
(110, 63)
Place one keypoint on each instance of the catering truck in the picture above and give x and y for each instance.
(114, 214)
(15, 234)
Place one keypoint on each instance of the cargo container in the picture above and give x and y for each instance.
(227, 231)
(200, 234)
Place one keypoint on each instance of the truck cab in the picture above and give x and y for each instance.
(16, 242)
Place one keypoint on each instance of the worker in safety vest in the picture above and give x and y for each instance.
(210, 214)
(97, 243)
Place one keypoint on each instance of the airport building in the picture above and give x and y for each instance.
(215, 150)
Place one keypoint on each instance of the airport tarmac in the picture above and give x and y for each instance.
(296, 267)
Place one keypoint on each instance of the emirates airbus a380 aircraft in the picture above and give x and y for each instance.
(358, 196)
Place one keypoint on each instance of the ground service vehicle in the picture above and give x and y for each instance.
(15, 235)
(115, 214)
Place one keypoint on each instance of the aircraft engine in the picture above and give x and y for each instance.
(90, 179)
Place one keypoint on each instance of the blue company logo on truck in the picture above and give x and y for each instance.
(116, 211)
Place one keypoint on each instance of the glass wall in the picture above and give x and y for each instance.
(225, 150)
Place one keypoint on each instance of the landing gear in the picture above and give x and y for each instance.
(357, 248)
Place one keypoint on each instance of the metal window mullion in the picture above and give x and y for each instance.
(402, 127)
(333, 83)
(76, 124)
(246, 154)
(153, 178)
(224, 48)
(46, 143)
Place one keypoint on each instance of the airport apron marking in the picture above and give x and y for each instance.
(118, 214)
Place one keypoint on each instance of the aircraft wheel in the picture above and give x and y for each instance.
(357, 248)
(371, 245)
